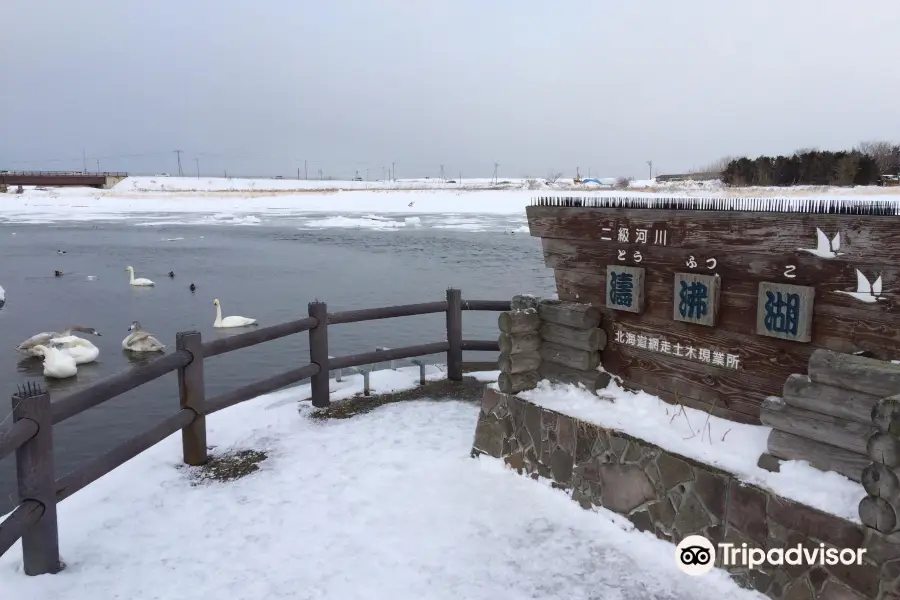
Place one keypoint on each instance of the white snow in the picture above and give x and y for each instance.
(731, 446)
(250, 202)
(384, 505)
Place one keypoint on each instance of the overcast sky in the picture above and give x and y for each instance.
(257, 87)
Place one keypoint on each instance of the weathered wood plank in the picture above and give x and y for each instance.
(881, 481)
(884, 448)
(676, 399)
(735, 293)
(569, 314)
(756, 356)
(851, 372)
(827, 429)
(856, 406)
(769, 463)
(513, 383)
(886, 415)
(845, 330)
(582, 339)
(878, 514)
(522, 342)
(774, 311)
(702, 310)
(592, 380)
(777, 233)
(728, 390)
(824, 457)
(519, 321)
(754, 266)
(581, 360)
(519, 363)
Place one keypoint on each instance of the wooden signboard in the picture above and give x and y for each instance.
(765, 282)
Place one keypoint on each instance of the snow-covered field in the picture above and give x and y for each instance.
(477, 205)
(384, 505)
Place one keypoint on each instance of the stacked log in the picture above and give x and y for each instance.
(520, 343)
(571, 341)
(826, 417)
(880, 509)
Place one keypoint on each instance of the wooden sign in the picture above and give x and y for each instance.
(625, 288)
(696, 298)
(785, 311)
(847, 253)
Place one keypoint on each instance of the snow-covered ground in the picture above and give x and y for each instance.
(733, 447)
(478, 205)
(384, 505)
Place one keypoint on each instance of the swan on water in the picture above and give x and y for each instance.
(140, 280)
(58, 273)
(57, 365)
(230, 321)
(81, 350)
(141, 341)
(27, 347)
(193, 288)
(171, 273)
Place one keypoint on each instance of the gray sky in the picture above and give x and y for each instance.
(259, 86)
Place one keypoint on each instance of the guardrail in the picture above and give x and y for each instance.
(34, 415)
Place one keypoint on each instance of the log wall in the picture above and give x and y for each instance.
(550, 339)
(826, 419)
(745, 242)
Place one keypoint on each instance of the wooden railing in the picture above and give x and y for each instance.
(31, 434)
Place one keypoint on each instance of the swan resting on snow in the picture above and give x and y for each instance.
(141, 341)
(230, 321)
(27, 347)
(81, 350)
(57, 365)
(139, 281)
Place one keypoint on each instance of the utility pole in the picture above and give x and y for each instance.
(298, 173)
(178, 154)
(650, 163)
(320, 174)
(367, 174)
(84, 158)
(98, 166)
(393, 172)
(305, 174)
(442, 174)
(495, 178)
(197, 160)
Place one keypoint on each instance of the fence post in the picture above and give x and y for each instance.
(318, 354)
(36, 478)
(192, 395)
(454, 334)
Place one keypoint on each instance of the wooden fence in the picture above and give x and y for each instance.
(31, 435)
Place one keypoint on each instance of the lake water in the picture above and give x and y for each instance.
(268, 271)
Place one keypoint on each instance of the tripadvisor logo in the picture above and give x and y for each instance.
(696, 555)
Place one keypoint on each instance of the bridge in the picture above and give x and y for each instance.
(61, 178)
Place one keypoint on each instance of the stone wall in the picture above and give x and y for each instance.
(673, 497)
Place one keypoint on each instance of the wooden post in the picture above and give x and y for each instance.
(192, 395)
(318, 354)
(36, 479)
(454, 335)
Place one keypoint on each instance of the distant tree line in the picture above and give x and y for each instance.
(863, 165)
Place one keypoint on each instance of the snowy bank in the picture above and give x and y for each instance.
(383, 505)
(730, 446)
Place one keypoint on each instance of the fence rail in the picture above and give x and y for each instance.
(34, 520)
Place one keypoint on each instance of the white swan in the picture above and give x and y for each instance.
(140, 280)
(27, 347)
(141, 341)
(2, 296)
(230, 321)
(56, 364)
(81, 350)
